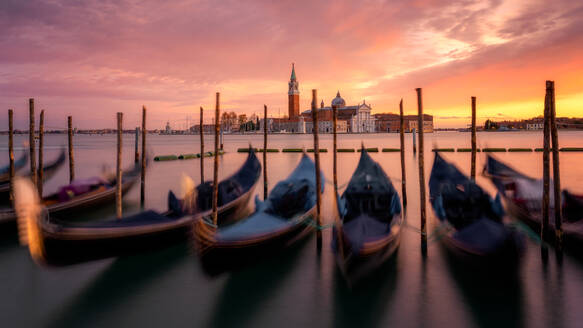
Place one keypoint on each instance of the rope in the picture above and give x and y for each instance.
(310, 222)
(410, 227)
(519, 225)
(436, 235)
(209, 223)
(342, 186)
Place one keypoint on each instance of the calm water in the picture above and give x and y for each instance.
(300, 287)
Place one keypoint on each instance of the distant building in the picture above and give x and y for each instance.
(427, 124)
(389, 122)
(296, 125)
(293, 96)
(207, 128)
(356, 119)
(537, 123)
(168, 129)
(534, 126)
(327, 126)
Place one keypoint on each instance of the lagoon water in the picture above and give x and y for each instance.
(299, 288)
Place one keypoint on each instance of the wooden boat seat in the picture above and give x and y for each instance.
(364, 228)
(257, 224)
(290, 197)
(484, 235)
(464, 203)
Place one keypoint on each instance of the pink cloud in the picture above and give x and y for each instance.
(116, 55)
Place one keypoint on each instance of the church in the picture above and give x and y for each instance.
(351, 119)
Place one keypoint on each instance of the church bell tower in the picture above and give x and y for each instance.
(293, 96)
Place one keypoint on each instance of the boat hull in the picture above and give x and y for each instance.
(218, 257)
(506, 257)
(48, 172)
(572, 231)
(356, 267)
(78, 204)
(60, 251)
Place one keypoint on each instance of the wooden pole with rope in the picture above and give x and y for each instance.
(402, 139)
(143, 170)
(556, 167)
(421, 173)
(119, 177)
(11, 153)
(201, 147)
(473, 160)
(32, 142)
(71, 155)
(216, 163)
(41, 142)
(335, 177)
(317, 160)
(264, 152)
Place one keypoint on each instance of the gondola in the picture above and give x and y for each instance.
(371, 221)
(523, 198)
(280, 221)
(233, 195)
(57, 242)
(48, 172)
(18, 164)
(470, 223)
(95, 192)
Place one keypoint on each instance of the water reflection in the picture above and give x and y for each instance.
(423, 302)
(249, 290)
(365, 304)
(8, 236)
(494, 297)
(122, 280)
(297, 288)
(553, 293)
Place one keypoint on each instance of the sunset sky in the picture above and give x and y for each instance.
(91, 59)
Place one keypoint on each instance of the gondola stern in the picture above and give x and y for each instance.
(29, 213)
(204, 236)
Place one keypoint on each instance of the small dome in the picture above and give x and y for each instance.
(338, 101)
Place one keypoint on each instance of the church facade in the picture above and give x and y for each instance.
(351, 119)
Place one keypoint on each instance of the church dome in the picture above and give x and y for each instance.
(338, 101)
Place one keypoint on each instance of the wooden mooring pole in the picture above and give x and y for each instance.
(421, 173)
(413, 132)
(473, 164)
(216, 163)
(335, 177)
(222, 128)
(556, 168)
(136, 151)
(264, 152)
(317, 160)
(546, 169)
(402, 139)
(119, 182)
(41, 138)
(71, 157)
(31, 134)
(335, 146)
(11, 153)
(143, 170)
(201, 148)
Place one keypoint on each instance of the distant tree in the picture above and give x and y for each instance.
(490, 125)
(242, 119)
